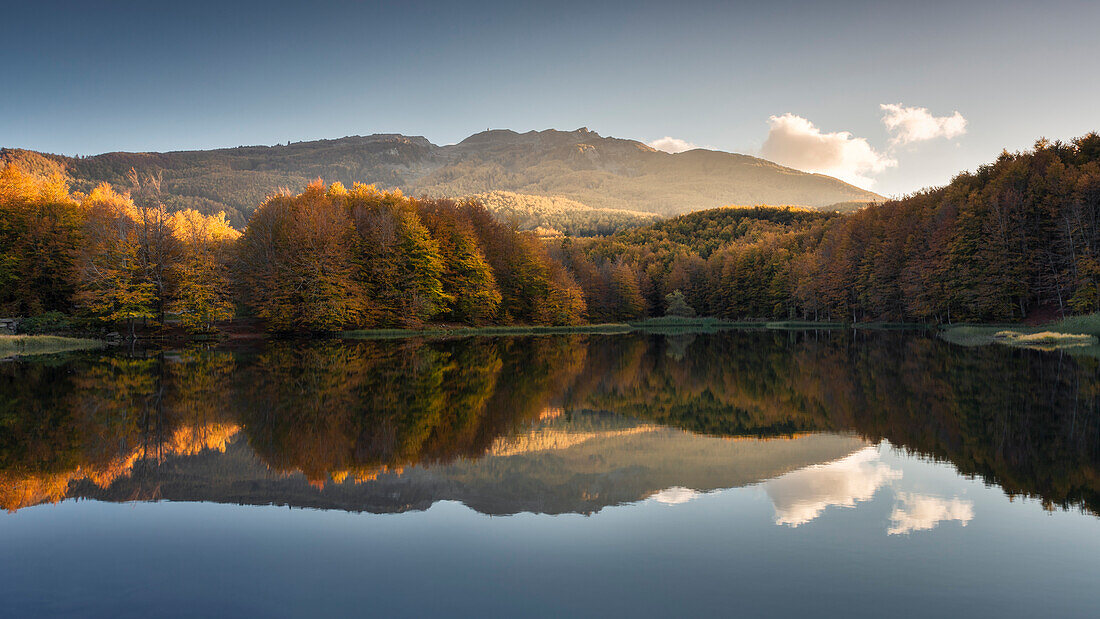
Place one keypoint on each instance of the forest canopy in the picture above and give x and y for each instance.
(109, 256)
(332, 258)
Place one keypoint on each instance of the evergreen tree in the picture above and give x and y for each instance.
(676, 305)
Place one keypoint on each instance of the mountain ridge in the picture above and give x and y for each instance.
(598, 172)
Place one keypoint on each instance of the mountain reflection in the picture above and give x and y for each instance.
(551, 424)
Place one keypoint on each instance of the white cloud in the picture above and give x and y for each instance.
(670, 144)
(921, 512)
(917, 124)
(795, 142)
(802, 495)
(675, 495)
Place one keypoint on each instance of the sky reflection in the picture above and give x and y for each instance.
(922, 512)
(803, 495)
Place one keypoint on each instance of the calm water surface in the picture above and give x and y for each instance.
(751, 473)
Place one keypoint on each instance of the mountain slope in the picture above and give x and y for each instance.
(625, 174)
(580, 165)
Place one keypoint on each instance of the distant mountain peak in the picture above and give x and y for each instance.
(489, 135)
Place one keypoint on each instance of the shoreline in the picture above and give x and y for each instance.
(1065, 334)
(653, 325)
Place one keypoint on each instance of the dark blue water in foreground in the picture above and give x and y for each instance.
(744, 473)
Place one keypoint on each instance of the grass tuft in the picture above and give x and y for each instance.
(1044, 340)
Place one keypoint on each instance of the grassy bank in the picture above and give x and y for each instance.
(12, 345)
(1088, 324)
(1076, 334)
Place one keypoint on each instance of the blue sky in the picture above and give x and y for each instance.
(91, 77)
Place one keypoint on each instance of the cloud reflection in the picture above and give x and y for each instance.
(675, 495)
(803, 495)
(921, 512)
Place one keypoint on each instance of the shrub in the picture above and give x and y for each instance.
(49, 322)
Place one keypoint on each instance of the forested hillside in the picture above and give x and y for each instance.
(237, 180)
(1015, 237)
(1019, 235)
(552, 216)
(728, 262)
(582, 166)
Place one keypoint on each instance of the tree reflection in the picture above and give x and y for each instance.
(337, 410)
(97, 418)
(356, 409)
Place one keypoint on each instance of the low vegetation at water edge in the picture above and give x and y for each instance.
(13, 345)
(1075, 332)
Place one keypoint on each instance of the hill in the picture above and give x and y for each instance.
(557, 214)
(598, 172)
(704, 232)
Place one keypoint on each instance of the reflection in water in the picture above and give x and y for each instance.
(675, 495)
(803, 495)
(921, 512)
(101, 418)
(552, 424)
(553, 438)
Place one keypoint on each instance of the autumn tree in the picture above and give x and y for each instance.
(627, 302)
(401, 267)
(202, 288)
(158, 248)
(466, 278)
(40, 236)
(296, 262)
(112, 279)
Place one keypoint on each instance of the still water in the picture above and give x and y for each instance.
(753, 473)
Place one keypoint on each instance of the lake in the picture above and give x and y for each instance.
(749, 472)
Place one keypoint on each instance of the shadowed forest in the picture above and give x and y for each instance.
(1018, 237)
(351, 410)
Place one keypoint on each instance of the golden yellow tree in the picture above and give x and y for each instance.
(201, 287)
